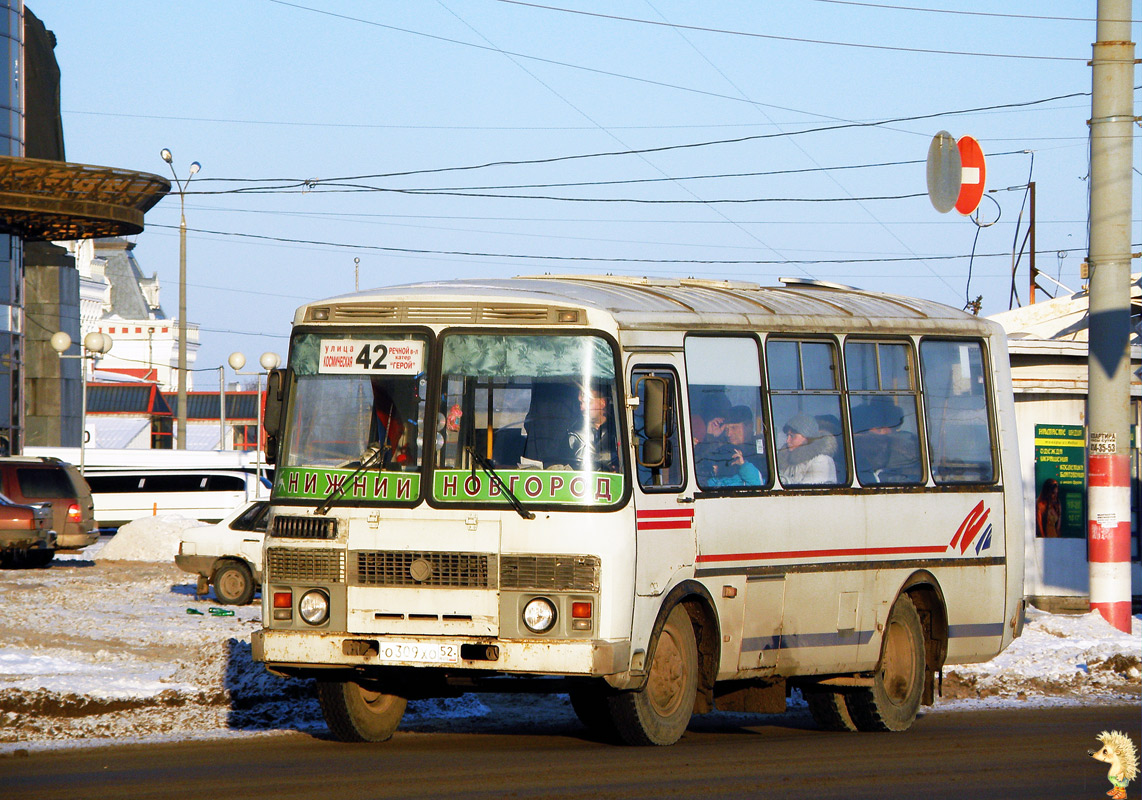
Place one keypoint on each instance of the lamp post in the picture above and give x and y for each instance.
(94, 344)
(268, 361)
(180, 434)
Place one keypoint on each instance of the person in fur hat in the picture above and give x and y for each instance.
(807, 457)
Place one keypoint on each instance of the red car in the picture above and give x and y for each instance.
(26, 535)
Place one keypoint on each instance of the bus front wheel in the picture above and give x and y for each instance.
(892, 701)
(359, 712)
(659, 713)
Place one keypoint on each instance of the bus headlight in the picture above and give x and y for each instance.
(539, 615)
(314, 607)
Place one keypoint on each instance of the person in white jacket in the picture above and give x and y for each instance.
(807, 457)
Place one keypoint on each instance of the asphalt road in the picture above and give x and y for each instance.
(1025, 753)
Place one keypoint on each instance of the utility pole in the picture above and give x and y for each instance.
(1109, 256)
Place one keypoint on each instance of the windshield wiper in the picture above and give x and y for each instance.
(371, 459)
(490, 470)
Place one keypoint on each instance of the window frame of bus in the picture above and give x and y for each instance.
(435, 387)
(988, 396)
(290, 377)
(768, 480)
(646, 370)
(844, 436)
(915, 393)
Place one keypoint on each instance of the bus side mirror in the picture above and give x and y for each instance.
(654, 394)
(276, 384)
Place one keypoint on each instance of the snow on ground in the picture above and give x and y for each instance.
(100, 648)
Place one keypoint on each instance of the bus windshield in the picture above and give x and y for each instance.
(544, 404)
(358, 398)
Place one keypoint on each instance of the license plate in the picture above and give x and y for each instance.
(419, 652)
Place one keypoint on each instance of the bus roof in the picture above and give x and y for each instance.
(642, 303)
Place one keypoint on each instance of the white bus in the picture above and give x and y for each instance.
(660, 496)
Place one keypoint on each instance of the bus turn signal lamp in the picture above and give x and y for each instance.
(581, 615)
(283, 605)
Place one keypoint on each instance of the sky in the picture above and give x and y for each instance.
(730, 140)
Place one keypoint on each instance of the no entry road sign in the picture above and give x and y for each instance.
(973, 176)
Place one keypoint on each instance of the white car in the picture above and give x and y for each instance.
(227, 554)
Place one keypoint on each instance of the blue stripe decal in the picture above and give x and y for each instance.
(797, 640)
(978, 630)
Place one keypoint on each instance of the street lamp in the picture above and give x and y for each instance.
(94, 344)
(180, 435)
(268, 361)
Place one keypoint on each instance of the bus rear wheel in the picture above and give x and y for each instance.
(659, 713)
(830, 710)
(359, 711)
(898, 683)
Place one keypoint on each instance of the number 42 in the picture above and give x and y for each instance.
(365, 356)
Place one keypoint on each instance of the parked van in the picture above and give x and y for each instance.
(227, 555)
(32, 481)
(205, 494)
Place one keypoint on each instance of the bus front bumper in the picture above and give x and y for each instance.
(294, 650)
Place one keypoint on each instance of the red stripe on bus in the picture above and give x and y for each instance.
(855, 551)
(662, 525)
(667, 512)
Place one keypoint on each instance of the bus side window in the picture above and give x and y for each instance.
(658, 467)
(726, 415)
(806, 398)
(958, 417)
(883, 406)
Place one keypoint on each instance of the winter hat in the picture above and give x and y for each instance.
(804, 425)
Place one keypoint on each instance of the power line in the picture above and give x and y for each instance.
(554, 62)
(795, 39)
(606, 259)
(662, 148)
(1036, 17)
(324, 187)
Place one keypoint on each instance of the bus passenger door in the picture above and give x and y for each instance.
(664, 526)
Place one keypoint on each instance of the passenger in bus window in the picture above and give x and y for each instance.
(884, 453)
(807, 457)
(715, 408)
(390, 435)
(729, 461)
(596, 447)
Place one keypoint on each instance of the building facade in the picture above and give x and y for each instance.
(1048, 348)
(45, 199)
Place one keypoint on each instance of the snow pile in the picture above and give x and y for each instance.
(148, 539)
(105, 646)
(1057, 655)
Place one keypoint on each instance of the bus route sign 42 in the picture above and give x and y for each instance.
(363, 357)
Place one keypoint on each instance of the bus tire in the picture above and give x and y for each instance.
(591, 704)
(658, 713)
(898, 682)
(830, 710)
(358, 712)
(233, 583)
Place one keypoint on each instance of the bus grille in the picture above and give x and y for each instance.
(289, 564)
(305, 527)
(550, 573)
(456, 570)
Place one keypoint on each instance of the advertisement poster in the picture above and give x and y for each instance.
(1060, 481)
